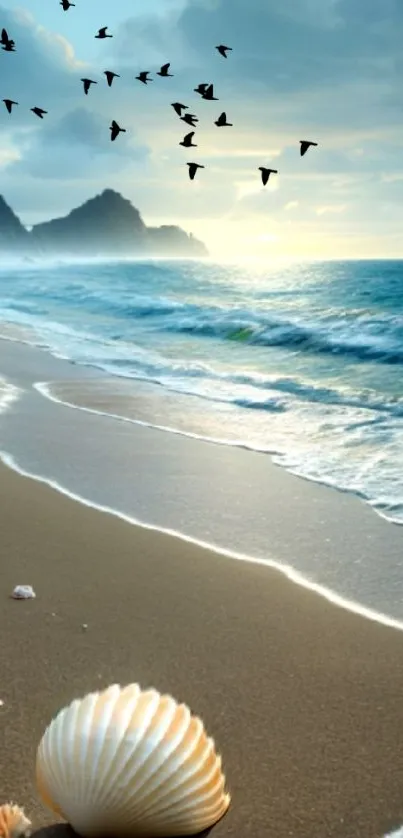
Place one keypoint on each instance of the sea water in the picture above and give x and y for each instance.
(304, 361)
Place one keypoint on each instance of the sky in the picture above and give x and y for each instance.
(323, 70)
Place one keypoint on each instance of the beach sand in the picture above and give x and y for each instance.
(304, 699)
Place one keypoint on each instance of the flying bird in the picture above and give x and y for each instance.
(87, 84)
(115, 130)
(38, 111)
(4, 38)
(209, 94)
(221, 122)
(66, 5)
(222, 49)
(201, 89)
(7, 44)
(305, 145)
(9, 104)
(143, 76)
(193, 167)
(266, 174)
(178, 108)
(110, 75)
(190, 119)
(102, 33)
(187, 141)
(164, 71)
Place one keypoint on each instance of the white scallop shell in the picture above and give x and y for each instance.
(127, 762)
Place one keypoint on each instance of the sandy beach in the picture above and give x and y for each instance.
(303, 698)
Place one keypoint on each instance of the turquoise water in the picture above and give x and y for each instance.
(304, 362)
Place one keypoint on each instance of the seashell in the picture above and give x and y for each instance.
(13, 822)
(127, 762)
(23, 592)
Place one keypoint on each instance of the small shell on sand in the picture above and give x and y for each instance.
(23, 592)
(13, 822)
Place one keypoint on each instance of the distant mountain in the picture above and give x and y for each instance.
(106, 225)
(13, 235)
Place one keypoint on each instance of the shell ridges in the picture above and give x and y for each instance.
(128, 762)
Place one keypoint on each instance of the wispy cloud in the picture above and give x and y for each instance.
(331, 208)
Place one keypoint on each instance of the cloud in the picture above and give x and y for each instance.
(72, 143)
(44, 64)
(76, 146)
(326, 70)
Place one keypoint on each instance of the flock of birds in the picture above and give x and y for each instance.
(205, 90)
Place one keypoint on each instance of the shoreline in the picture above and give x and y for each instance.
(290, 573)
(277, 457)
(304, 517)
(304, 700)
(43, 388)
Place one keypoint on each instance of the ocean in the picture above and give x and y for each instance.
(303, 362)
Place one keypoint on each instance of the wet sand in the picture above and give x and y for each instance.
(304, 699)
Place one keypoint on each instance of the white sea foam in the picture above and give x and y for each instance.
(397, 834)
(279, 458)
(44, 388)
(290, 572)
(8, 394)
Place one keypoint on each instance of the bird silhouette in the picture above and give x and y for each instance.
(7, 44)
(193, 167)
(102, 33)
(38, 111)
(9, 104)
(4, 40)
(187, 141)
(222, 49)
(164, 71)
(305, 145)
(266, 174)
(178, 108)
(190, 119)
(87, 84)
(143, 76)
(201, 88)
(115, 130)
(110, 75)
(66, 4)
(209, 94)
(221, 122)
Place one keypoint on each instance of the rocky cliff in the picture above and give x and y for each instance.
(13, 236)
(106, 225)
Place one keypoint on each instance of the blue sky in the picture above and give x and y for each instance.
(326, 70)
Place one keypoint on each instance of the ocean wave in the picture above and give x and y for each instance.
(118, 357)
(359, 335)
(271, 319)
(308, 365)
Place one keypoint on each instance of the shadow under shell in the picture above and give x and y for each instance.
(64, 830)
